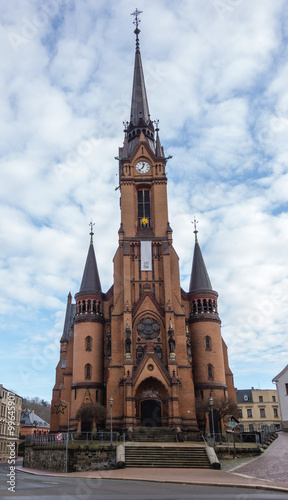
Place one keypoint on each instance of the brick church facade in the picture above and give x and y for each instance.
(151, 346)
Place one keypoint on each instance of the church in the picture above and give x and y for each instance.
(151, 346)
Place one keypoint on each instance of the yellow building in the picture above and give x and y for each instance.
(258, 408)
(10, 411)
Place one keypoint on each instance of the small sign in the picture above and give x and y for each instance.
(59, 436)
(232, 424)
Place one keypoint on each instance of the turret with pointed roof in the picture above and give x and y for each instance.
(199, 276)
(90, 280)
(202, 296)
(89, 296)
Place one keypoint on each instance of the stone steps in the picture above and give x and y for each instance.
(154, 435)
(165, 456)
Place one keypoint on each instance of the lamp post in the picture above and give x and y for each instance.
(67, 437)
(211, 401)
(111, 400)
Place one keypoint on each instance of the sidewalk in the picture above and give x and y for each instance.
(269, 471)
(187, 476)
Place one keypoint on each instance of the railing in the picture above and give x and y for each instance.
(258, 434)
(228, 438)
(59, 439)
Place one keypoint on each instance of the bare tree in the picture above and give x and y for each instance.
(221, 407)
(92, 411)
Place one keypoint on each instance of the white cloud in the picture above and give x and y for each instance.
(217, 80)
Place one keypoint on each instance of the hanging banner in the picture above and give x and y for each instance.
(146, 255)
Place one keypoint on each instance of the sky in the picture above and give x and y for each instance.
(216, 75)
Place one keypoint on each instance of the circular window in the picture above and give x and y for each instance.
(148, 329)
(150, 368)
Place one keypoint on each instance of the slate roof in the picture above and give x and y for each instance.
(91, 281)
(30, 418)
(69, 318)
(139, 103)
(244, 396)
(199, 276)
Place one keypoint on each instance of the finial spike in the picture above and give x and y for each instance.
(91, 224)
(195, 222)
(136, 21)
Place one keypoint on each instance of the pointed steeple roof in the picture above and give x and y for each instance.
(140, 121)
(199, 276)
(91, 281)
(139, 103)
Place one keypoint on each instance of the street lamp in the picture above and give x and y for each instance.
(211, 401)
(111, 400)
(67, 438)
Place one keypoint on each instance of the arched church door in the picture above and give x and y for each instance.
(151, 414)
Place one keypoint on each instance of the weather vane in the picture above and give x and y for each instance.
(91, 224)
(195, 222)
(137, 20)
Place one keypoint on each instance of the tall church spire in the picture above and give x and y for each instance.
(139, 103)
(199, 275)
(90, 280)
(139, 116)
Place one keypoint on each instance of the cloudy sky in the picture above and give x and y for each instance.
(216, 75)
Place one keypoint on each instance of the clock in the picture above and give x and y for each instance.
(142, 167)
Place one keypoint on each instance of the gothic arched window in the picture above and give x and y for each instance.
(210, 371)
(88, 371)
(144, 208)
(208, 343)
(88, 342)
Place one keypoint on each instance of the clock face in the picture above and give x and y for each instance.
(143, 167)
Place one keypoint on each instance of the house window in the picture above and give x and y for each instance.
(262, 413)
(88, 371)
(208, 343)
(249, 412)
(88, 342)
(274, 399)
(63, 363)
(260, 399)
(275, 411)
(144, 208)
(210, 371)
(286, 386)
(240, 413)
(251, 427)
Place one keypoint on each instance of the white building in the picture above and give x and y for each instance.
(281, 381)
(10, 411)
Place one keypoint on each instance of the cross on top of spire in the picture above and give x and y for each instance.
(91, 224)
(136, 21)
(195, 222)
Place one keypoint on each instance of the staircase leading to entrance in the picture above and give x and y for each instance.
(165, 455)
(154, 435)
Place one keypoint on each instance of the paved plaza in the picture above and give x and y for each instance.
(272, 465)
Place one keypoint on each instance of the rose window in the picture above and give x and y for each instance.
(148, 329)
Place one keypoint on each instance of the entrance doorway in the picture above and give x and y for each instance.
(86, 426)
(151, 415)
